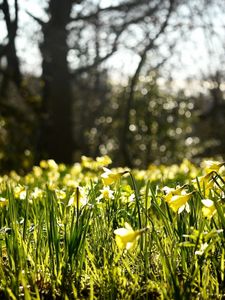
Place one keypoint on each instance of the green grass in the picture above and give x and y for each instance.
(57, 236)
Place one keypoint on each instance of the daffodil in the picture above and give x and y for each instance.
(202, 249)
(126, 237)
(15, 176)
(212, 165)
(177, 199)
(179, 202)
(68, 180)
(187, 167)
(37, 171)
(106, 193)
(87, 162)
(49, 164)
(109, 177)
(170, 192)
(60, 194)
(208, 209)
(103, 161)
(127, 194)
(20, 192)
(205, 183)
(78, 198)
(90, 163)
(37, 193)
(3, 202)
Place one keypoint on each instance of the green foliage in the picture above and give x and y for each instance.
(57, 235)
(16, 144)
(164, 126)
(160, 123)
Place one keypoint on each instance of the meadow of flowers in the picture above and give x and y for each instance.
(93, 232)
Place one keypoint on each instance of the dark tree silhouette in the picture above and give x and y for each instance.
(56, 134)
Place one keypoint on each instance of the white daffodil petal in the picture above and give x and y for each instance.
(187, 207)
(127, 226)
(207, 202)
(121, 231)
(181, 209)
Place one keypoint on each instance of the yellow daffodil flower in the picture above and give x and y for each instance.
(78, 197)
(60, 194)
(3, 202)
(109, 177)
(208, 209)
(49, 164)
(87, 162)
(205, 183)
(212, 165)
(177, 199)
(106, 193)
(103, 161)
(90, 163)
(37, 171)
(170, 192)
(126, 237)
(20, 192)
(179, 202)
(37, 193)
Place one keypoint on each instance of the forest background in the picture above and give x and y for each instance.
(142, 81)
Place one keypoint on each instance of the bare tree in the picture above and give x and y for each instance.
(77, 39)
(64, 32)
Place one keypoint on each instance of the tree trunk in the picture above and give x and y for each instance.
(56, 138)
(12, 71)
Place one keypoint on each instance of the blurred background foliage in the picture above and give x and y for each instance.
(69, 100)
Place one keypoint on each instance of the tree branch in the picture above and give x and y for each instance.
(121, 7)
(38, 20)
(134, 81)
(101, 59)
